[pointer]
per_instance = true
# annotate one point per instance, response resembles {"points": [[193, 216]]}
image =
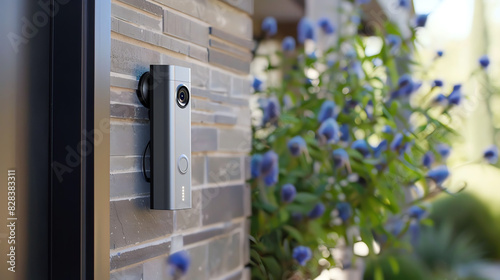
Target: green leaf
{"points": [[303, 197], [294, 233]]}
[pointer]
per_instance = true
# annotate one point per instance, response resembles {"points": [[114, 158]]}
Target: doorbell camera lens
{"points": [[182, 96]]}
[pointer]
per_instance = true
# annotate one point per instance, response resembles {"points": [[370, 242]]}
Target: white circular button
{"points": [[183, 163]]}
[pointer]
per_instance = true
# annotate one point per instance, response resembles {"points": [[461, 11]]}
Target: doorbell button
{"points": [[183, 163]]}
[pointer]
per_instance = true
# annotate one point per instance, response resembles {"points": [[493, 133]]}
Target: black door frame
{"points": [[79, 139]]}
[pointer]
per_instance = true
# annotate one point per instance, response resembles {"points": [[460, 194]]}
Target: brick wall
{"points": [[213, 38]]}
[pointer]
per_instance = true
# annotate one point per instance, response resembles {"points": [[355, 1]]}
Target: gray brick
{"points": [[219, 81], [202, 235], [228, 61], [122, 164], [198, 168], [176, 25], [235, 140], [190, 218], [224, 255], [247, 200], [222, 204], [244, 5], [130, 59], [199, 53], [128, 138], [238, 275], [145, 6], [132, 273], [127, 29], [139, 254], [132, 222], [246, 167], [245, 54], [132, 16], [205, 105], [244, 115], [184, 28], [240, 86], [124, 111], [246, 242], [199, 262], [174, 44], [219, 33], [148, 36], [223, 169], [225, 118], [124, 97], [247, 274], [211, 12], [202, 117], [123, 83], [128, 184], [156, 269], [203, 139]]}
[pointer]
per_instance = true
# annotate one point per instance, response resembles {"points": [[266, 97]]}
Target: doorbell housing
{"points": [[166, 91]]}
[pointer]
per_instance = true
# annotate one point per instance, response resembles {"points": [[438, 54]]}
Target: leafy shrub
{"points": [[347, 148]]}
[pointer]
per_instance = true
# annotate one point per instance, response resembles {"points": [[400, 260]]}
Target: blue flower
{"points": [[305, 30], [288, 44], [428, 159], [317, 211], [255, 165], [444, 150], [421, 20], [344, 133], [440, 53], [394, 42], [387, 129], [341, 159], [491, 154], [438, 174], [361, 2], [269, 160], [271, 110], [362, 147], [437, 83], [405, 3], [326, 25], [382, 147], [272, 177], [356, 69], [296, 145], [350, 104], [179, 263], [329, 130], [302, 254], [484, 61], [345, 211], [455, 96], [270, 26], [416, 212], [407, 86], [270, 168], [288, 193], [369, 109], [257, 84], [397, 142], [327, 111], [440, 99]]}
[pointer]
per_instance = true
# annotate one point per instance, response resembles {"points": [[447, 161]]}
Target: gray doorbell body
{"points": [[168, 94]]}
